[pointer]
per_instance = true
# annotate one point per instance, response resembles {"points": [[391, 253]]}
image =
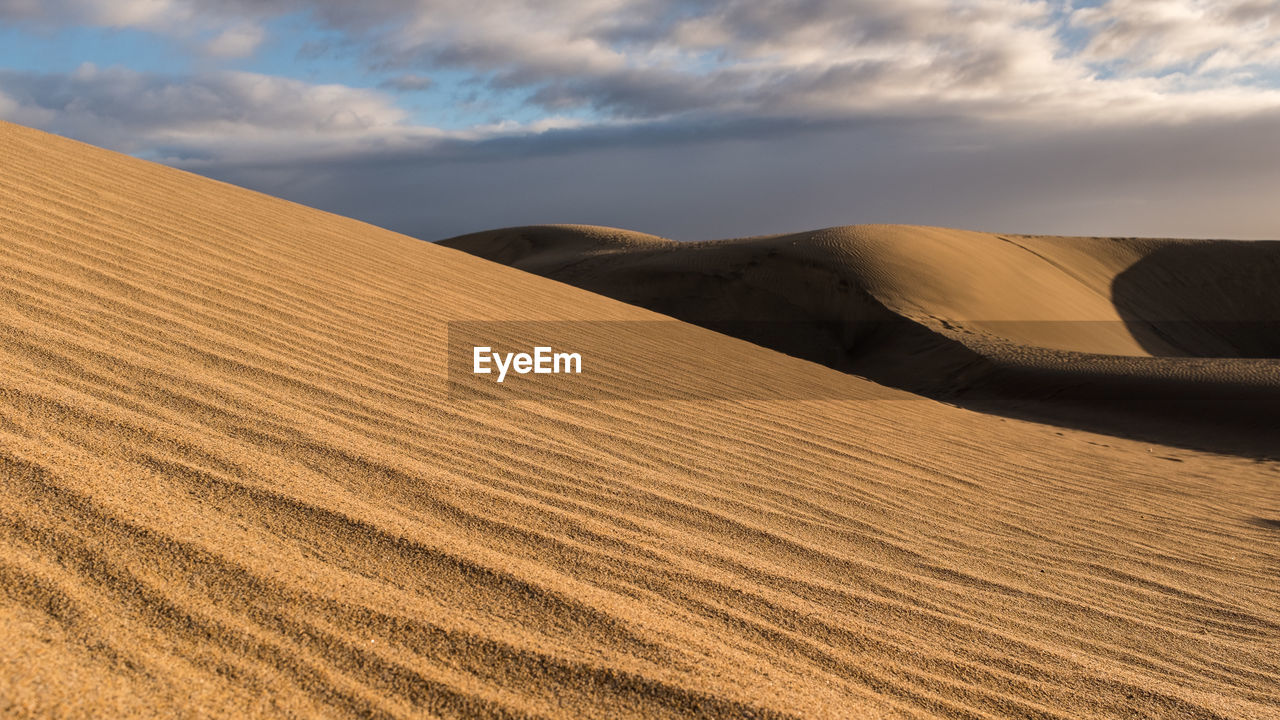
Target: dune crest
{"points": [[233, 484]]}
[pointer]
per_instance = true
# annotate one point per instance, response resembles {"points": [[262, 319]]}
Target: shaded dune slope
{"points": [[233, 484], [1168, 340]]}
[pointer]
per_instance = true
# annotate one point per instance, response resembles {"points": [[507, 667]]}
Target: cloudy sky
{"points": [[691, 119]]}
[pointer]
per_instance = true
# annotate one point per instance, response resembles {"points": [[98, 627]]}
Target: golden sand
{"points": [[233, 484]]}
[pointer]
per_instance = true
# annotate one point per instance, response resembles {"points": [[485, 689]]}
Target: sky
{"points": [[688, 119]]}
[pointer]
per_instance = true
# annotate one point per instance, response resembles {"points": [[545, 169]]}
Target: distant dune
{"points": [[234, 483], [1171, 340]]}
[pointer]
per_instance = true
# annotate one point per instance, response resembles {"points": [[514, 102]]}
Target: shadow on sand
{"points": [[1207, 311], [1204, 299]]}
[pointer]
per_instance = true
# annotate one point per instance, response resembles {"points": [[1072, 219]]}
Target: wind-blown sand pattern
{"points": [[233, 483]]}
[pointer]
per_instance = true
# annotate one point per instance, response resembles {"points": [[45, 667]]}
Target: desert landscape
{"points": [[1170, 340], [1028, 477]]}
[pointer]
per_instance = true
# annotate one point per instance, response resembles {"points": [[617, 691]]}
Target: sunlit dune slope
{"points": [[234, 483], [1175, 337]]}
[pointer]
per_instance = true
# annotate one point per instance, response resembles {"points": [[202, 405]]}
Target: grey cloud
{"points": [[659, 58], [716, 117], [19, 9], [641, 94], [136, 112], [1252, 11], [1203, 179], [754, 50], [407, 83]]}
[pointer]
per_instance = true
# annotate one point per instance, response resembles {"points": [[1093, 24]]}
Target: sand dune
{"points": [[1171, 340], [235, 483]]}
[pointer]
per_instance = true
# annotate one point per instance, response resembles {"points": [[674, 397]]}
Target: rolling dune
{"points": [[1166, 340], [235, 481]]}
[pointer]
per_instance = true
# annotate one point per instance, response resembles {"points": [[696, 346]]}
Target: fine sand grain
{"points": [[234, 483]]}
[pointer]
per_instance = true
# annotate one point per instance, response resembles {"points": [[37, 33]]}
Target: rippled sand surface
{"points": [[234, 483]]}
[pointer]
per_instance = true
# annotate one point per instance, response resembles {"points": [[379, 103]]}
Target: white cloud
{"points": [[1154, 36], [236, 41], [150, 14], [137, 13]]}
